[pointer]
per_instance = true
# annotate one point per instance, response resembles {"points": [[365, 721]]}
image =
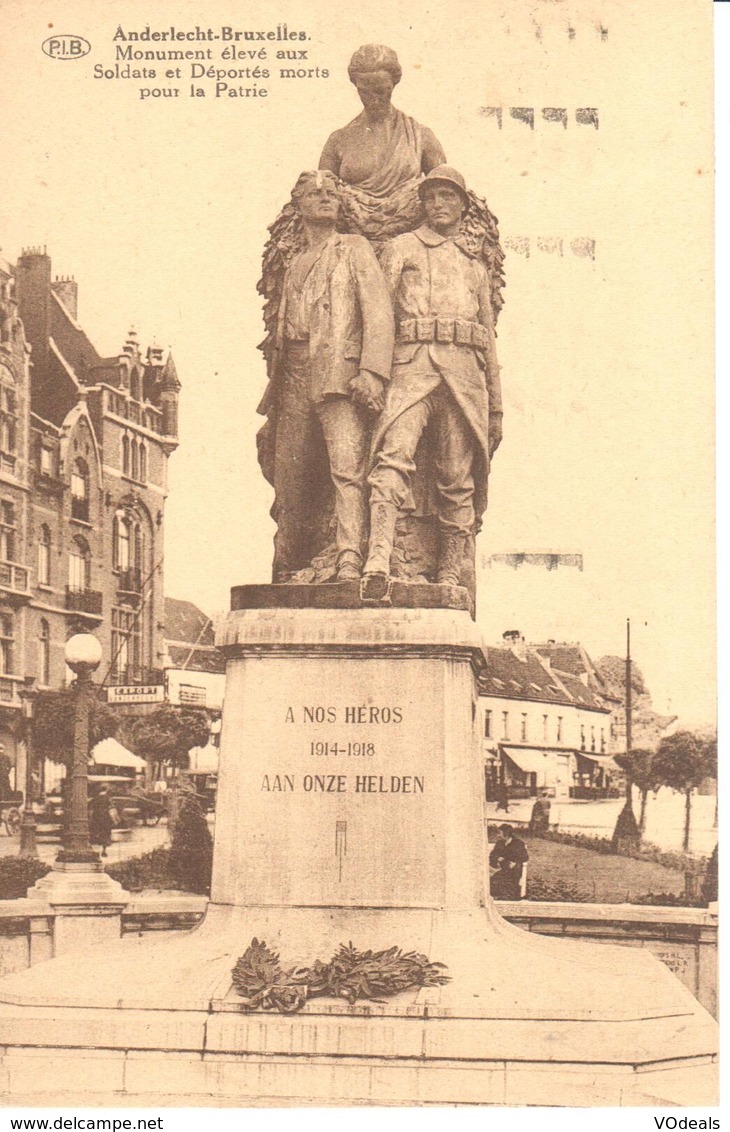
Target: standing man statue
{"points": [[332, 358], [445, 377]]}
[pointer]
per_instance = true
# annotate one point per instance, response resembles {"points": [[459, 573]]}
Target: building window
{"points": [[44, 556], [46, 461], [593, 738], [544, 729], [505, 725], [582, 737], [79, 566], [126, 645], [7, 644], [142, 462], [559, 730], [125, 455], [44, 654], [7, 531], [122, 541], [487, 724], [8, 420], [80, 490], [603, 741], [129, 544], [523, 728]]}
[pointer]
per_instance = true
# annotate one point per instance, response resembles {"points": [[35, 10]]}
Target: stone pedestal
{"points": [[359, 786], [88, 906], [350, 809]]}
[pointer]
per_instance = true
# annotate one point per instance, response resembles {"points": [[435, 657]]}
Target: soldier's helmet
{"points": [[446, 175]]}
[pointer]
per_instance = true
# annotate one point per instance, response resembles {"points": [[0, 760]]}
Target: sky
{"points": [[159, 208]]}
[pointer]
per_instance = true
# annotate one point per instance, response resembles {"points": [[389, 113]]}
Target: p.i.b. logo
{"points": [[66, 47]]}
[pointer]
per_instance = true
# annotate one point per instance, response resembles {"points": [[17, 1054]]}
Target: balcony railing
{"points": [[193, 695], [130, 580], [133, 674], [79, 508], [83, 601], [13, 577], [8, 689]]}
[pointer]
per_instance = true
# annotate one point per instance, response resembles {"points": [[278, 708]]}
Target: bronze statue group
{"points": [[382, 283]]}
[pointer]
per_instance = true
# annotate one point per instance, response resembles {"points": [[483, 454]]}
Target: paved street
{"points": [[143, 838], [664, 825]]}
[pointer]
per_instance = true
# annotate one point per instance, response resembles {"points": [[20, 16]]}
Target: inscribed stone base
{"points": [[350, 809]]}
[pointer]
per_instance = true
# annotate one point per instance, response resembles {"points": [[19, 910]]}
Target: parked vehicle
{"points": [[10, 813]]}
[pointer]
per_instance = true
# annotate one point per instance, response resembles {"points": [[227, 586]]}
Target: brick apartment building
{"points": [[84, 445]]}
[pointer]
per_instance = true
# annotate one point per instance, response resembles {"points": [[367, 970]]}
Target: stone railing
{"points": [[683, 938]]}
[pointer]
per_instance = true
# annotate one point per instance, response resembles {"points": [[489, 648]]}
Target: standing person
{"points": [[6, 765], [540, 816], [332, 358], [445, 377], [101, 821], [503, 797], [509, 857]]}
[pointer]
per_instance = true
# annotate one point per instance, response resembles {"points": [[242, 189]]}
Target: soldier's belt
{"points": [[457, 330]]}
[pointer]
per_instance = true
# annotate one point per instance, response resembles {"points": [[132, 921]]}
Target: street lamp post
{"points": [[28, 847], [83, 656], [87, 902]]}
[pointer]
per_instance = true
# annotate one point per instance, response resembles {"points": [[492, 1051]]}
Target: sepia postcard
{"points": [[358, 739]]}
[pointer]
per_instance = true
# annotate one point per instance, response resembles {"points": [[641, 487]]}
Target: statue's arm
{"points": [[391, 265], [432, 153], [486, 318], [332, 154], [378, 327]]}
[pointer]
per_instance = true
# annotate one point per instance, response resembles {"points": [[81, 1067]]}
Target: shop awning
{"points": [[109, 752], [528, 759], [604, 761], [204, 760]]}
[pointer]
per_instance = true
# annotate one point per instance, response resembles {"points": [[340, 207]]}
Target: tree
{"points": [[626, 835], [191, 851], [637, 765], [682, 762], [166, 736], [53, 724]]}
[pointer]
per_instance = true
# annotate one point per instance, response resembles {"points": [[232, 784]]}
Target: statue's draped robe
{"points": [[379, 201]]}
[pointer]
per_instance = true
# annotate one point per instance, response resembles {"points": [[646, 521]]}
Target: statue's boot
{"points": [[451, 559], [349, 566], [382, 533]]}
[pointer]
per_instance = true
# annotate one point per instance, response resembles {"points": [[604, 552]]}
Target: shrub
{"points": [[557, 890], [18, 874], [151, 870], [679, 862], [191, 852], [669, 900]]}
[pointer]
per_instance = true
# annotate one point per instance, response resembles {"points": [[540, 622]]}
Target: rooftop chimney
{"points": [[513, 639], [67, 289]]}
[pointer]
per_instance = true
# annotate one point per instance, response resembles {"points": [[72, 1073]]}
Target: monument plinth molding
{"points": [[350, 809]]}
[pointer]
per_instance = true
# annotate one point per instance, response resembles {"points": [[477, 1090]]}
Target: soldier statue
{"points": [[445, 377]]}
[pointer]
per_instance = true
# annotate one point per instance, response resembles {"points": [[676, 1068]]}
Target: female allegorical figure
{"points": [[382, 154]]}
